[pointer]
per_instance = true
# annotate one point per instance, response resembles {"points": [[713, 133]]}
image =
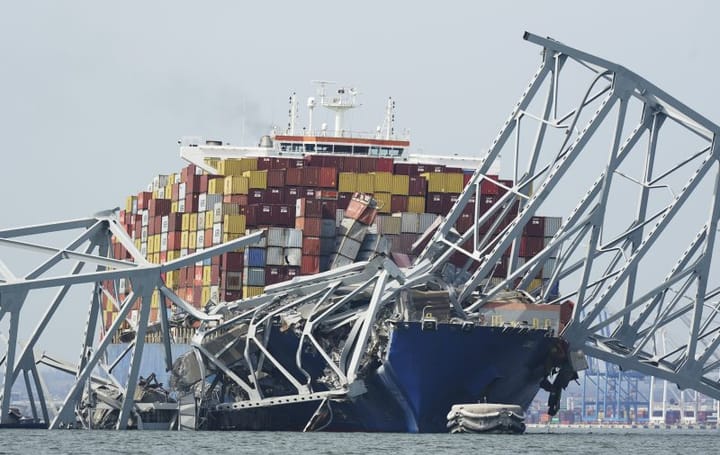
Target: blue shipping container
{"points": [[255, 257]]}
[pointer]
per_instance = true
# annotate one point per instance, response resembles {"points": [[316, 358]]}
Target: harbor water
{"points": [[535, 441]]}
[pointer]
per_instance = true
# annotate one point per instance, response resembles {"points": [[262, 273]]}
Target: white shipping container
{"points": [[215, 293], [144, 234], [183, 252], [409, 223], [293, 238], [143, 249], [202, 202], [293, 256], [276, 237], [145, 217], [181, 191], [159, 181], [213, 199], [200, 239], [275, 256], [201, 221], [161, 193], [217, 233], [181, 206], [122, 286], [200, 262], [134, 206], [339, 215], [164, 222], [163, 241]]}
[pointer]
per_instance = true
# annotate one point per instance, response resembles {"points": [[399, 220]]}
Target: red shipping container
{"points": [[507, 183], [310, 177], [368, 165], [344, 200], [291, 272], [351, 164], [453, 170], [403, 169], [274, 274], [326, 194], [151, 227], [259, 215], [239, 199], [192, 185], [307, 192], [327, 177], [173, 242], [486, 202], [310, 265], [294, 177], [143, 198], [230, 296], [175, 222], [163, 256], [282, 215], [315, 160], [488, 187], [123, 217], [332, 161], [434, 203], [311, 208], [187, 172], [191, 203], [208, 237], [232, 261], [197, 297], [311, 245], [264, 163], [175, 192], [310, 226], [276, 178], [275, 195], [384, 164], [417, 186], [198, 275], [449, 200], [157, 224], [328, 208], [256, 196], [530, 246], [535, 227], [467, 176], [398, 203]]}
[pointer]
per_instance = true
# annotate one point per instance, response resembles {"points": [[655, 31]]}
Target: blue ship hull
{"points": [[423, 374]]}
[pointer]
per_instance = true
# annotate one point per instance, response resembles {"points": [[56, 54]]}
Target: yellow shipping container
{"points": [[129, 202], [150, 244], [216, 186], [366, 183], [214, 162], [383, 182], [209, 219], [256, 179], [347, 182], [171, 278], [236, 166], [401, 185], [168, 191], [234, 224], [436, 182], [416, 204], [174, 206], [192, 223], [192, 240], [383, 202], [535, 284], [138, 243], [252, 291], [228, 237], [175, 254], [204, 295], [184, 239], [207, 275], [155, 300], [454, 182], [155, 258], [236, 185], [186, 222]]}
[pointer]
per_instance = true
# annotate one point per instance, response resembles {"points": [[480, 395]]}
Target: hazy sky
{"points": [[94, 95]]}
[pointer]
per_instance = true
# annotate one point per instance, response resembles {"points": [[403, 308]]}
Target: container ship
{"points": [[328, 200]]}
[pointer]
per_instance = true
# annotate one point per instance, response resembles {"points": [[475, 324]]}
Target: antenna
{"points": [[292, 114], [389, 123]]}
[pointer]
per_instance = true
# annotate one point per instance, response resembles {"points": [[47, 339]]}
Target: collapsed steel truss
{"points": [[633, 245], [637, 172]]}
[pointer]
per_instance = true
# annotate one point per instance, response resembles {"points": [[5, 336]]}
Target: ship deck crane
{"points": [[634, 170]]}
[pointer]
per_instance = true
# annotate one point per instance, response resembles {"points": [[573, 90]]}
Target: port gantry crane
{"points": [[633, 172]]}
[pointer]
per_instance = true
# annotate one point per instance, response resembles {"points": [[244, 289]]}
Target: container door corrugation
{"points": [[425, 220], [293, 238], [400, 185], [276, 236], [254, 276], [409, 222], [349, 248], [552, 225], [275, 256], [255, 257]]}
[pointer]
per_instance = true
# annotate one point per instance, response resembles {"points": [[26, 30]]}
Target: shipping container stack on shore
{"points": [[320, 211]]}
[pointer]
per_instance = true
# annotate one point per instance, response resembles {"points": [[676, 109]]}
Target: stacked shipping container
{"points": [[315, 213]]}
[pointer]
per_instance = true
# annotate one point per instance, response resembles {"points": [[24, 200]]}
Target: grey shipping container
{"points": [[548, 268], [254, 276], [409, 224], [327, 245], [293, 238], [425, 221], [552, 225], [275, 256], [339, 215], [293, 256], [388, 224], [339, 261], [349, 248], [276, 236], [327, 228], [352, 230]]}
